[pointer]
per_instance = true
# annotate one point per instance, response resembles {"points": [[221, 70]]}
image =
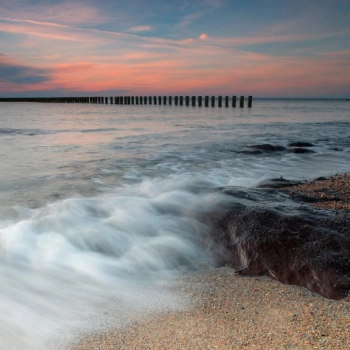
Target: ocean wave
{"points": [[59, 262]]}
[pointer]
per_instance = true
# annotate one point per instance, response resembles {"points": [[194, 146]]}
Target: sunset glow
{"points": [[262, 48]]}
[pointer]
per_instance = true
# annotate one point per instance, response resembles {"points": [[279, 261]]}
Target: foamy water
{"points": [[103, 205]]}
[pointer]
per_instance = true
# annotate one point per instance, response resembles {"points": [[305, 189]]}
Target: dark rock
{"points": [[278, 183], [301, 150], [332, 195], [303, 198], [251, 151], [300, 144], [265, 232], [266, 147], [321, 178]]}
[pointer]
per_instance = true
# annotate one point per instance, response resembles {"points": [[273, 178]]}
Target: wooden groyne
{"points": [[213, 101]]}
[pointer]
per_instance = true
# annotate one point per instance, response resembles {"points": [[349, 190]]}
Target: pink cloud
{"points": [[67, 13], [255, 75], [140, 29], [37, 29], [187, 41], [93, 60]]}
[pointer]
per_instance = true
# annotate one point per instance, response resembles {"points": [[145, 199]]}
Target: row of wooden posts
{"points": [[143, 100]]}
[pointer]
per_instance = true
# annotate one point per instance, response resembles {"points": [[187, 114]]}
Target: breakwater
{"points": [[206, 101]]}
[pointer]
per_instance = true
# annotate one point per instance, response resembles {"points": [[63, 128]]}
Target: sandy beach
{"points": [[234, 312]]}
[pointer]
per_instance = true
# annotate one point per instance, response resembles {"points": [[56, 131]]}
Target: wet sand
{"points": [[235, 312]]}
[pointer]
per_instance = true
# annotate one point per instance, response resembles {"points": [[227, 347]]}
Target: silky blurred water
{"points": [[100, 204]]}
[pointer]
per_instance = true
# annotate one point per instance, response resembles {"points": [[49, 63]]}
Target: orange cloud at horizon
{"points": [[253, 74]]}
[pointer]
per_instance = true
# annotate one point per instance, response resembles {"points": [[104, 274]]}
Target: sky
{"points": [[264, 48]]}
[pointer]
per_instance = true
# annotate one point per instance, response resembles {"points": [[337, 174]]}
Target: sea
{"points": [[101, 206]]}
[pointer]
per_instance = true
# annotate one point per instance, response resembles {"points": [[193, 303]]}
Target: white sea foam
{"points": [[61, 263]]}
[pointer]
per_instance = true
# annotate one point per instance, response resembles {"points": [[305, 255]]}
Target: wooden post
{"points": [[136, 100], [159, 100], [241, 101], [206, 101], [234, 101], [145, 100], [181, 100], [164, 100], [220, 101], [154, 100], [141, 100], [226, 101], [213, 101], [132, 100], [187, 100], [250, 101], [176, 100], [193, 100], [170, 100], [199, 101], [150, 99]]}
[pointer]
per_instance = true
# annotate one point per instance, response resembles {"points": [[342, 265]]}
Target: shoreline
{"points": [[236, 312]]}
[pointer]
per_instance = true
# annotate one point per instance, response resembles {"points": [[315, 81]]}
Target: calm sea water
{"points": [[99, 204]]}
